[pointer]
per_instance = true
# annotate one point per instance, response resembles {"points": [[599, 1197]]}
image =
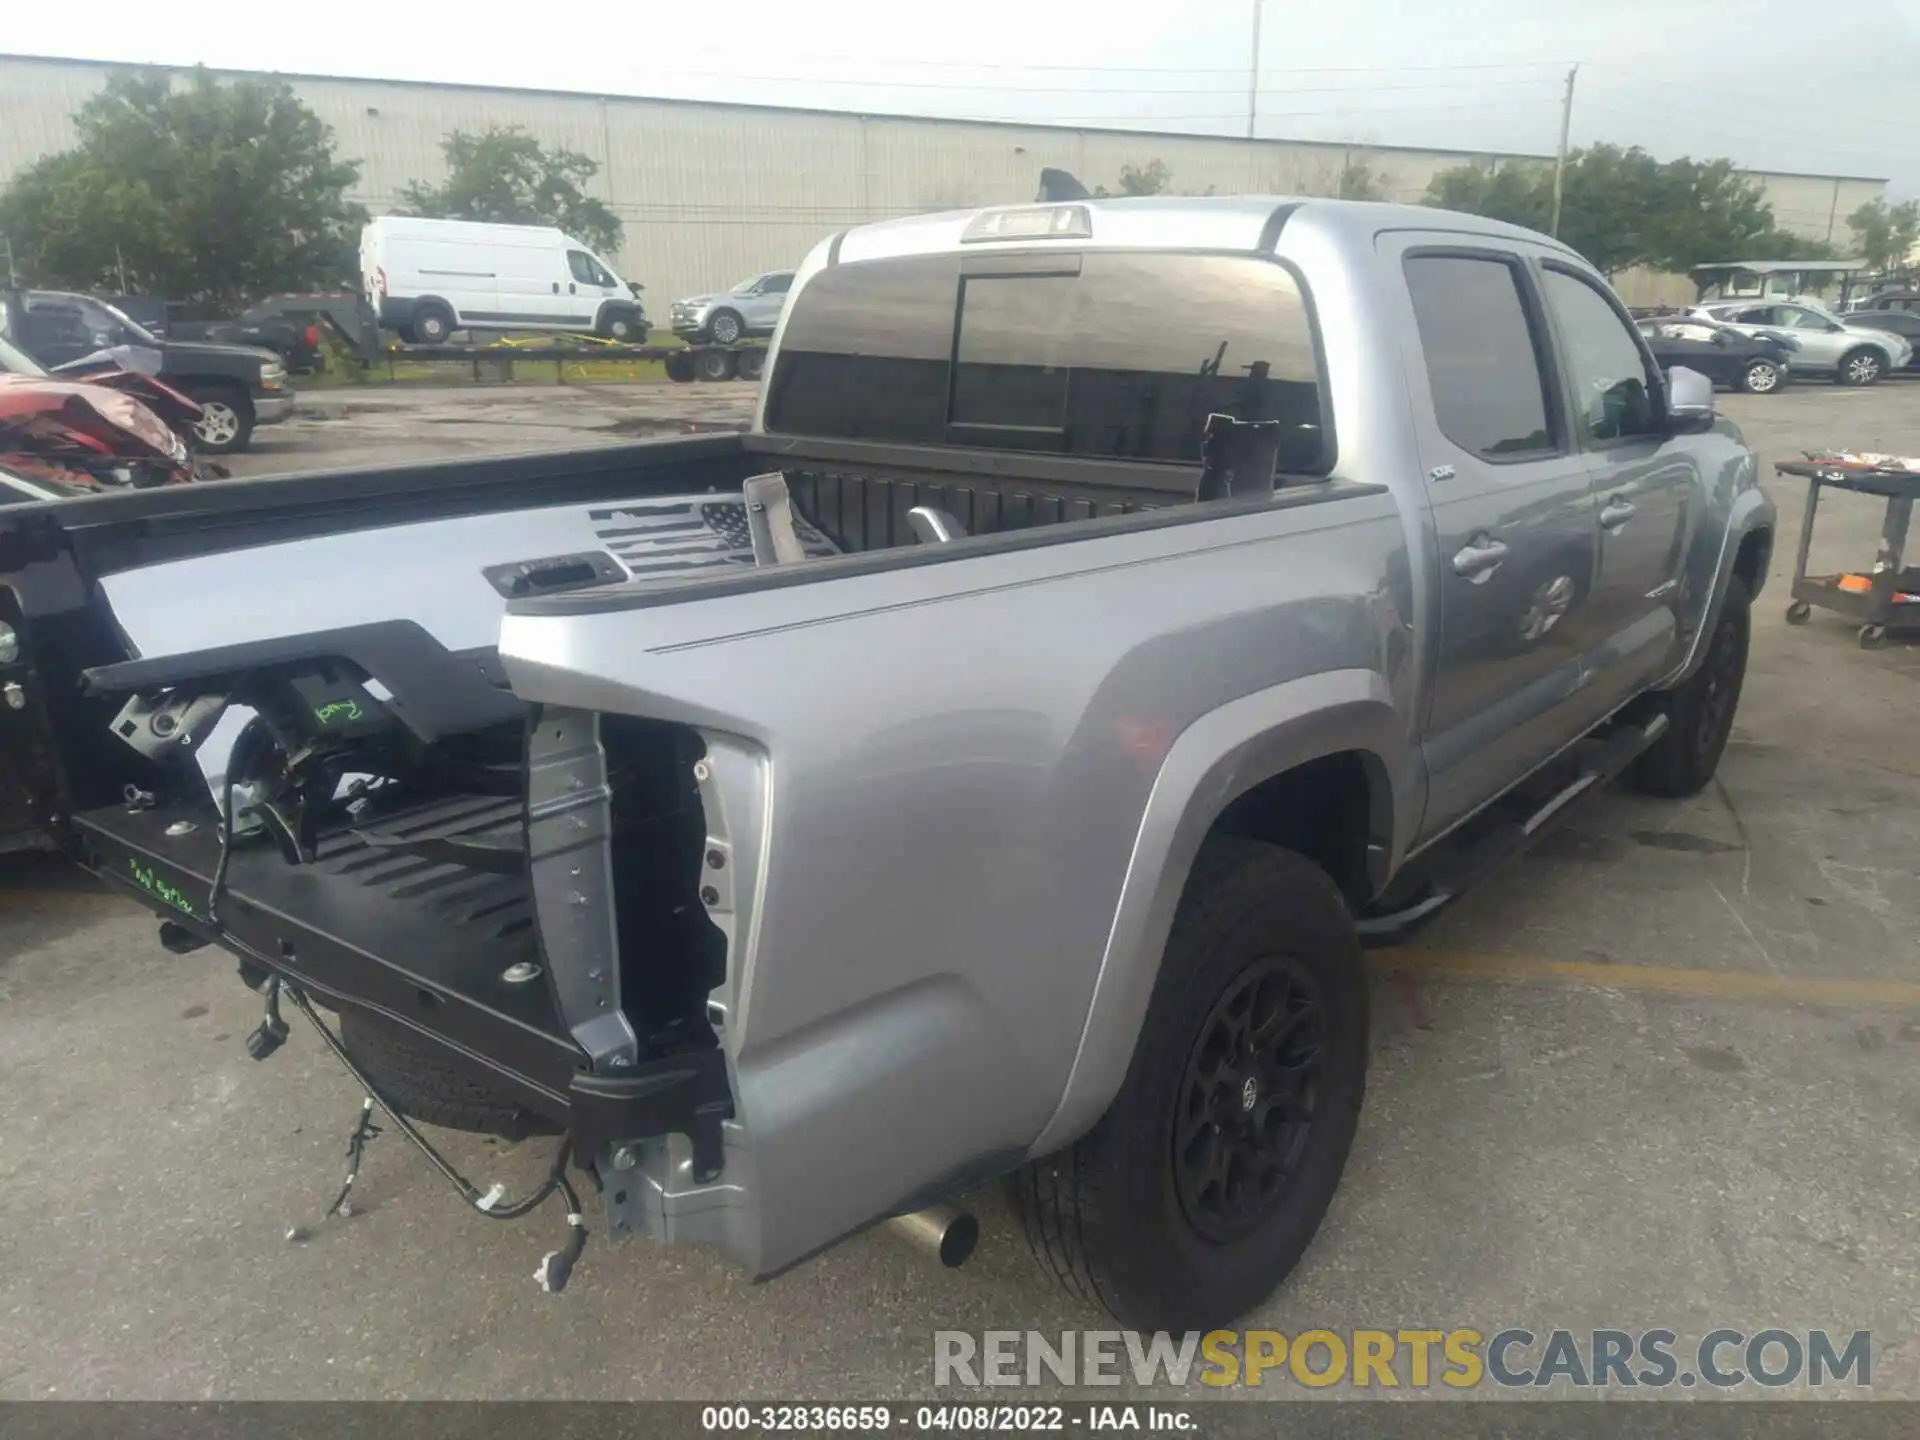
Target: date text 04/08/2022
{"points": [[975, 1419]]}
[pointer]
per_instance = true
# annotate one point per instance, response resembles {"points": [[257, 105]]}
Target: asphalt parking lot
{"points": [[1663, 1072], [389, 425]]}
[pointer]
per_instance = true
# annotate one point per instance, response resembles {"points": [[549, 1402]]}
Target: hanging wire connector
{"points": [[271, 1033], [557, 1266], [364, 1130]]}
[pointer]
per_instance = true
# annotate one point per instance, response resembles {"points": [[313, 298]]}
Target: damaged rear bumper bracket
{"points": [[569, 835]]}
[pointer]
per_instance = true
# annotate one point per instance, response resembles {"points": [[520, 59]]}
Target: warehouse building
{"points": [[710, 192]]}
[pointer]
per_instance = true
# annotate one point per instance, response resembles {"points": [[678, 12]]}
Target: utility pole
{"points": [[1253, 72], [1560, 161]]}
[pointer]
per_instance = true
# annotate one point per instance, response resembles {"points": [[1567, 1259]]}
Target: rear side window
{"points": [[1103, 355], [1483, 366]]}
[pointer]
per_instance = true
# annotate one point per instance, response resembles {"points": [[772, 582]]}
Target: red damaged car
{"points": [[112, 428]]}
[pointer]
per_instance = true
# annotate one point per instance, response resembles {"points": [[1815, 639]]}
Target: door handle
{"points": [[572, 289], [556, 287], [1616, 512], [1479, 558]]}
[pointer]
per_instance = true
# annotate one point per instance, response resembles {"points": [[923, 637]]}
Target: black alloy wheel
{"points": [[1246, 1102]]}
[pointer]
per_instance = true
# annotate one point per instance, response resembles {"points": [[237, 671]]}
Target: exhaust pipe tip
{"points": [[943, 1231]]}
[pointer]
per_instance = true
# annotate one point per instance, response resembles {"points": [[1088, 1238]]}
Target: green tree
{"points": [[1358, 181], [1623, 207], [1153, 178], [1520, 194], [209, 192], [1886, 234], [1700, 211], [504, 175]]}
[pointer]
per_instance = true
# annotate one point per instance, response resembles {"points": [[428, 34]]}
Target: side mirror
{"points": [[1721, 338], [1689, 401]]}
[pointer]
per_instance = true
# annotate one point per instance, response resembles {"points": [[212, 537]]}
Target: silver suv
{"points": [[750, 308], [1853, 354]]}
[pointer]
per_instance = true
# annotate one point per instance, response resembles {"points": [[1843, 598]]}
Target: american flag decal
{"points": [[683, 535]]}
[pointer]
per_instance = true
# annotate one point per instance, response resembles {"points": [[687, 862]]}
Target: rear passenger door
{"points": [[1513, 517], [768, 300], [1647, 484]]}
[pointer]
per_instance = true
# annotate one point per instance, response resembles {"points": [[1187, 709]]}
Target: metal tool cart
{"points": [[1887, 597]]}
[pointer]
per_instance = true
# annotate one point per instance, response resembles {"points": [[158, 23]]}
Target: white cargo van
{"points": [[429, 278]]}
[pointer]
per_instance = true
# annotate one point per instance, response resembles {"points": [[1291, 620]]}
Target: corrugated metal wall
{"points": [[712, 193]]}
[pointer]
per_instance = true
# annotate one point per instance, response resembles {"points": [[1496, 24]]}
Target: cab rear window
{"points": [[1118, 356]]}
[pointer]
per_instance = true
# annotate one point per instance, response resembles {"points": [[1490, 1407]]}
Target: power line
{"points": [[1746, 99], [1193, 69], [1770, 140], [829, 82], [1142, 120]]}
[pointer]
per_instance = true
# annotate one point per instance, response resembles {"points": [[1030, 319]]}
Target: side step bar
{"points": [[1487, 842]]}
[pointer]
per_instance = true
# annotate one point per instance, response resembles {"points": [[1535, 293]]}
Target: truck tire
{"points": [[714, 364], [429, 1086], [623, 327], [1700, 712], [225, 426], [1192, 1198]]}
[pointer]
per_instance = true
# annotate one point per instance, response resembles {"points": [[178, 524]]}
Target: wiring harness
{"points": [[556, 1267]]}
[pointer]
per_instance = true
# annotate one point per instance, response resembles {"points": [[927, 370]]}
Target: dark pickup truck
{"points": [[238, 387]]}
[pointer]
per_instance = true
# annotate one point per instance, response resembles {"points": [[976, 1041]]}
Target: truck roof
{"points": [[1173, 222]]}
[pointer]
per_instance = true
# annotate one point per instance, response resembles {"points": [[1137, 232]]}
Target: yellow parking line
{"points": [[1672, 980]]}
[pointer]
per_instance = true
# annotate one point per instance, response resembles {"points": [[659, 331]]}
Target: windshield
{"points": [[745, 285], [136, 331]]}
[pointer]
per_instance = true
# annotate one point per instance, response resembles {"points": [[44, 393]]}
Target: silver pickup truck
{"points": [[991, 766]]}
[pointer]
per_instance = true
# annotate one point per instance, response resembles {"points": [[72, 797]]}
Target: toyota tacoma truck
{"points": [[992, 765]]}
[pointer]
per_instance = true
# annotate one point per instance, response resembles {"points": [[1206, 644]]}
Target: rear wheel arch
{"points": [[1336, 810], [1750, 561], [1263, 784]]}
